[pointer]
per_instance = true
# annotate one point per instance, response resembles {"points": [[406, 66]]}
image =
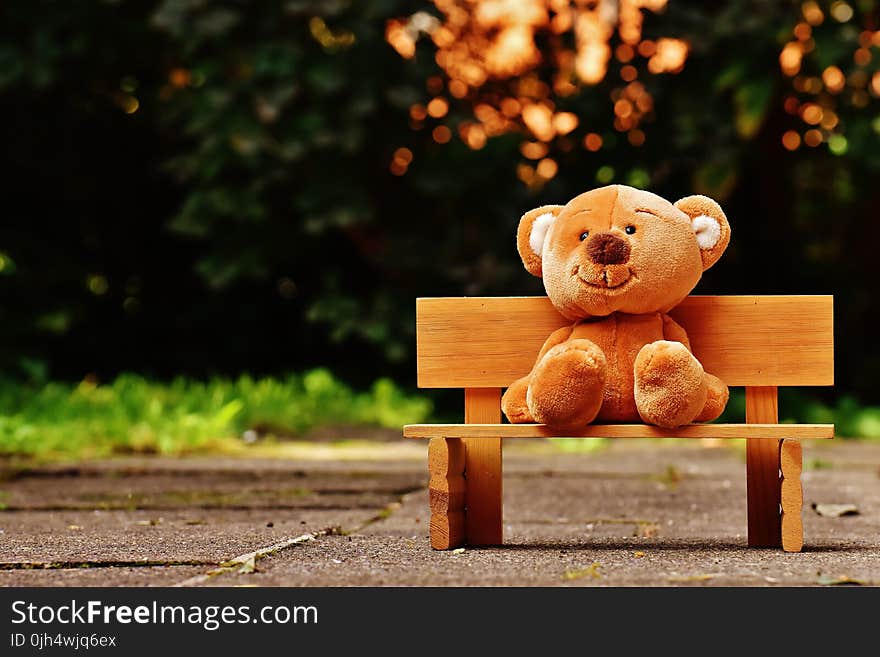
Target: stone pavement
{"points": [[635, 513]]}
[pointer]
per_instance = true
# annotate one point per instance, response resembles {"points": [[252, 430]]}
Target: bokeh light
{"points": [[813, 137], [831, 79], [401, 160], [488, 52], [441, 134], [791, 140], [592, 142]]}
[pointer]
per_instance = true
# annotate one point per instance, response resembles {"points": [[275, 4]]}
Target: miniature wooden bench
{"points": [[484, 344]]}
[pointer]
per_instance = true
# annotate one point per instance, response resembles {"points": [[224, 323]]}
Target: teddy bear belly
{"points": [[621, 337]]}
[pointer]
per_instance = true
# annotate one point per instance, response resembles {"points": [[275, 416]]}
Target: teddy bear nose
{"points": [[607, 249]]}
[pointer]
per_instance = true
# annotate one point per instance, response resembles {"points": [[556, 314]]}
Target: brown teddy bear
{"points": [[614, 261]]}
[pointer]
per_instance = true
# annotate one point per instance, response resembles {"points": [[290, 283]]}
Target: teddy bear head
{"points": [[620, 249]]}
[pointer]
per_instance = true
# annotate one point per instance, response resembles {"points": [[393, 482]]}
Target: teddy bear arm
{"points": [[674, 332], [716, 399], [558, 336]]}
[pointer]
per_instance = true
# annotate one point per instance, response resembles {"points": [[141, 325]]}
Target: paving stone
{"points": [[634, 514]]}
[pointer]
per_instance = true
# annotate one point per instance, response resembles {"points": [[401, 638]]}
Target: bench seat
{"points": [[779, 431]]}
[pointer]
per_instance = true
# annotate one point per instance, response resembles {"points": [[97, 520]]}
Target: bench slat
{"points": [[791, 431], [487, 342]]}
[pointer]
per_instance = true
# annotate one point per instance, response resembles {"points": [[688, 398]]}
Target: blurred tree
{"points": [[225, 186]]}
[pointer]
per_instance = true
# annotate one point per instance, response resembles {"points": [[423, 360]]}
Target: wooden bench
{"points": [[484, 344]]}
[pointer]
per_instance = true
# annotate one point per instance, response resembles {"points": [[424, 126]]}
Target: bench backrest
{"points": [[488, 342]]}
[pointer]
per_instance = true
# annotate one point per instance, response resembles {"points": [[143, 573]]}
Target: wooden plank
{"points": [[483, 501], [753, 431], [792, 495], [446, 492], [474, 342], [762, 470]]}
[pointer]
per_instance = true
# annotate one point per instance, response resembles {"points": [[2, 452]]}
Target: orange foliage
{"points": [[478, 42]]}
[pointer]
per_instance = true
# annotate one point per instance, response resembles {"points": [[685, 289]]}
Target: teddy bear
{"points": [[614, 261]]}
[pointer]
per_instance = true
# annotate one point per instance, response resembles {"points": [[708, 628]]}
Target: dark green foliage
{"points": [[243, 216]]}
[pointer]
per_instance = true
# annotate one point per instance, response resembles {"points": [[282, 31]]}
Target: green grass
{"points": [[134, 415], [851, 419]]}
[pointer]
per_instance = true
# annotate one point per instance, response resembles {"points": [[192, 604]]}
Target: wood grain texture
{"points": [[762, 470], [792, 495], [483, 469], [753, 431], [446, 492], [477, 342]]}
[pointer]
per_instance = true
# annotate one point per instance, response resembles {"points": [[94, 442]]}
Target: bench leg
{"points": [[446, 460], [791, 464], [762, 470], [483, 469]]}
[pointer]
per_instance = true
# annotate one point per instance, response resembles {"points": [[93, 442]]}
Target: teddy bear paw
{"points": [[567, 385], [670, 385]]}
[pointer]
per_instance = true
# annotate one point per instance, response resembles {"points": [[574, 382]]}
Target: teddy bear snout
{"points": [[607, 249]]}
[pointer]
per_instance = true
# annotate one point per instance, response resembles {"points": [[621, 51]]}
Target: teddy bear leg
{"points": [[567, 386], [513, 403], [670, 386], [716, 399]]}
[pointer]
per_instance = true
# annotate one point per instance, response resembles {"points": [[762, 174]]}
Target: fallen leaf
{"points": [[839, 580], [458, 551], [249, 566], [836, 510], [639, 554], [580, 573]]}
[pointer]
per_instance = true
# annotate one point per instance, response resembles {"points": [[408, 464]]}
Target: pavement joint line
{"points": [[62, 565], [241, 560], [589, 521], [199, 507], [11, 473]]}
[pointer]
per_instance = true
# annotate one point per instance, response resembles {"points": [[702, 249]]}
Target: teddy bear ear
{"points": [[709, 224], [532, 233]]}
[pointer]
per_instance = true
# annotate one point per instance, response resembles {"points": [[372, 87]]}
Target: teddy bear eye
{"points": [[585, 235], [630, 230]]}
